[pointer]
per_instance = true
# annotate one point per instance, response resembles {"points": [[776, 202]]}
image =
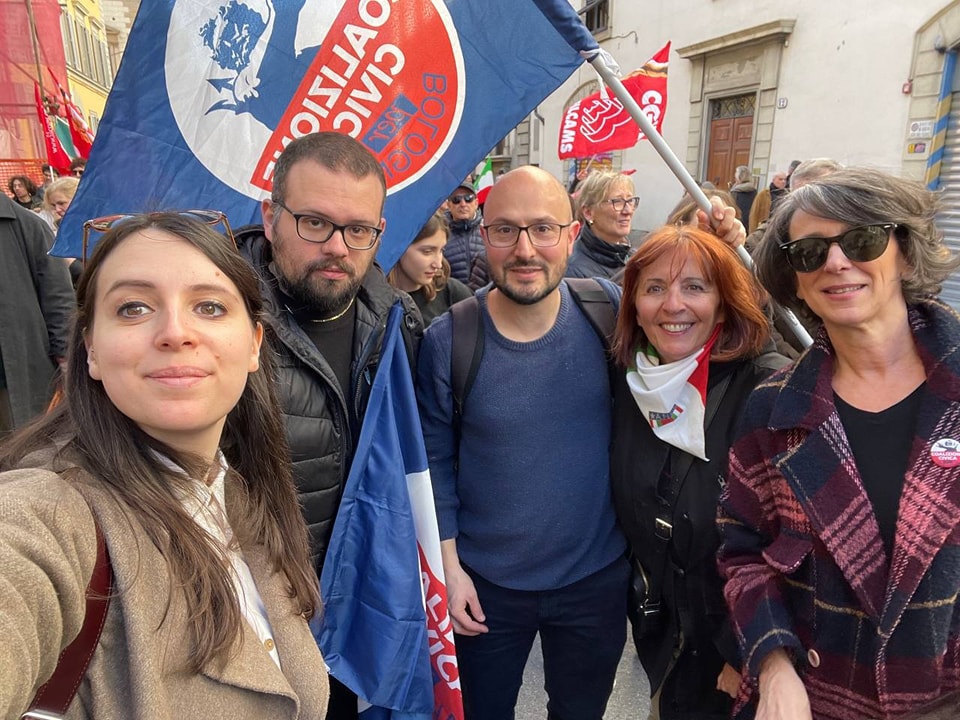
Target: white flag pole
{"points": [[605, 66]]}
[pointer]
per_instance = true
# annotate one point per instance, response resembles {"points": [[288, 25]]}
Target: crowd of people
{"points": [[613, 432]]}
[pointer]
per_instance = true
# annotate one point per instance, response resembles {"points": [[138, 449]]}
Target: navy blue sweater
{"points": [[530, 506]]}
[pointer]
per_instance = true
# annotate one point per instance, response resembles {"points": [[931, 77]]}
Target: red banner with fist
{"points": [[599, 123]]}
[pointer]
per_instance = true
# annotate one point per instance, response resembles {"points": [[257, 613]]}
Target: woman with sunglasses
{"points": [[606, 202], [168, 444], [840, 521]]}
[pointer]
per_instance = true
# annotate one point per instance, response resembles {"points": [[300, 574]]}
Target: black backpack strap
{"points": [[594, 302], [466, 351]]}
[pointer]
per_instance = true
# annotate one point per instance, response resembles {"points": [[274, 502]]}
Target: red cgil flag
{"points": [[56, 155], [599, 123], [80, 132]]}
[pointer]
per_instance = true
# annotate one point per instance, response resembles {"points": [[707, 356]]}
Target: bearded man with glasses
{"points": [[327, 303], [464, 250]]}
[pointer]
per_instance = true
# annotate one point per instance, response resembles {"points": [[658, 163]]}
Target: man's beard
{"points": [[551, 284], [311, 292]]}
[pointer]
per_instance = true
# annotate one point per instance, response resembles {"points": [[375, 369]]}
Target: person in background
{"points": [[424, 273], [78, 166], [685, 211], [168, 441], [50, 174], [36, 307], [24, 192], [793, 166], [691, 321], [464, 250], [606, 202], [840, 519], [766, 202], [810, 170], [56, 200], [743, 191]]}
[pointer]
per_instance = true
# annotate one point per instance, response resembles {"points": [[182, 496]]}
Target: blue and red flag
{"points": [[210, 91], [385, 632]]}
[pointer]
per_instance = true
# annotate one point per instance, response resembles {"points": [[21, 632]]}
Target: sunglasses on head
{"points": [[102, 224], [457, 199], [860, 244]]}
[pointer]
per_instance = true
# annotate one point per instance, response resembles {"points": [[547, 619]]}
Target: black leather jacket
{"points": [[322, 419]]}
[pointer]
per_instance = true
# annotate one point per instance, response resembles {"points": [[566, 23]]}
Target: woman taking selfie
{"points": [[168, 444], [692, 341], [840, 520]]}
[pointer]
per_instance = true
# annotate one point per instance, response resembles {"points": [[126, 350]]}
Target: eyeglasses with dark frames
{"points": [[318, 229], [860, 244], [619, 203], [466, 198], [102, 224], [544, 234]]}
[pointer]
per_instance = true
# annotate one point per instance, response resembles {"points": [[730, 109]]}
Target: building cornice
{"points": [[776, 30]]}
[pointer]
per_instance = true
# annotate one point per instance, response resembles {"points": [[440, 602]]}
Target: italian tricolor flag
{"points": [[484, 181]]}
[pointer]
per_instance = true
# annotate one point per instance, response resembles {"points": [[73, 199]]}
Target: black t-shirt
{"points": [[881, 443], [333, 338]]}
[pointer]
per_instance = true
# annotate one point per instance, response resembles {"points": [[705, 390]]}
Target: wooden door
{"points": [[731, 135]]}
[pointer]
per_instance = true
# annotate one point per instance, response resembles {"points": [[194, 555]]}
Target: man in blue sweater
{"points": [[529, 539]]}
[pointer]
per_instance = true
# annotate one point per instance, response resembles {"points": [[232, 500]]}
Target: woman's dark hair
{"points": [[746, 328], [855, 197], [436, 223], [264, 508]]}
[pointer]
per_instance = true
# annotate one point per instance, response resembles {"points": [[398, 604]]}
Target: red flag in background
{"points": [[80, 132], [56, 155], [599, 123]]}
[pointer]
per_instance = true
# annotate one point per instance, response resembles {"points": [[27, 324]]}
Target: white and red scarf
{"points": [[673, 396]]}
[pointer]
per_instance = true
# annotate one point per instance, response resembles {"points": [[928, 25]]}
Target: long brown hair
{"points": [[114, 450], [436, 223], [745, 328]]}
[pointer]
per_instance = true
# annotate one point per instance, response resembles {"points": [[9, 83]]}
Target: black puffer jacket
{"points": [[593, 257], [464, 247], [322, 419]]}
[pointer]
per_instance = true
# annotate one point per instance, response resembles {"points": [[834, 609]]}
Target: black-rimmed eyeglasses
{"points": [[318, 229], [620, 203], [543, 234], [102, 224]]}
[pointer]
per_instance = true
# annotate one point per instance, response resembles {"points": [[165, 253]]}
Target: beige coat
{"points": [[47, 553]]}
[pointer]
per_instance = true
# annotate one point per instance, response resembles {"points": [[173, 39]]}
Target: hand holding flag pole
{"points": [[607, 68]]}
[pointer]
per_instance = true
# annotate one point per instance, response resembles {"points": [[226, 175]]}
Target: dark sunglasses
{"points": [[457, 199], [102, 224], [861, 244]]}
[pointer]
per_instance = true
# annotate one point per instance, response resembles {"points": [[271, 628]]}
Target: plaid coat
{"points": [[806, 569]]}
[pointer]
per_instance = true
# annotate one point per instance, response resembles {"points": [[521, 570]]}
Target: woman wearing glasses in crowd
{"points": [[168, 442], [424, 273], [692, 341], [606, 202], [840, 521]]}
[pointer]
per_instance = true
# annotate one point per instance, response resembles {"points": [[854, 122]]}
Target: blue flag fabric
{"points": [[373, 630], [210, 91]]}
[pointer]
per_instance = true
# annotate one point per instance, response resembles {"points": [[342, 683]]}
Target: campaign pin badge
{"points": [[946, 453]]}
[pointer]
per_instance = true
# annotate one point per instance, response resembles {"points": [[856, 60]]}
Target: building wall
{"points": [[840, 69], [90, 69]]}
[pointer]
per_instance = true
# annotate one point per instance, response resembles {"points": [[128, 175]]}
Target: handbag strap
{"points": [[54, 697]]}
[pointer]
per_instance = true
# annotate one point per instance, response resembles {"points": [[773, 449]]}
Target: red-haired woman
{"points": [[692, 341]]}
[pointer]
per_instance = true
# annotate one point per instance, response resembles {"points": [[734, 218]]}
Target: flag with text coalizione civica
{"points": [[599, 123], [484, 181], [210, 91], [385, 631]]}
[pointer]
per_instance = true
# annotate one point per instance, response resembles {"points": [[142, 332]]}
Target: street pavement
{"points": [[630, 699]]}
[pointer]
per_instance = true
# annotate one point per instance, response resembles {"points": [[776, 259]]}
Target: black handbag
{"points": [[643, 606]]}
